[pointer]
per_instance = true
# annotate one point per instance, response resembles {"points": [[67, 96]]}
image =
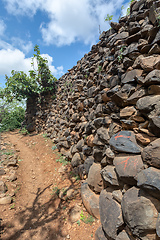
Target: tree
{"points": [[21, 86]]}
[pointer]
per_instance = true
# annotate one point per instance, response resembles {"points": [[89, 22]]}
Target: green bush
{"points": [[11, 120]]}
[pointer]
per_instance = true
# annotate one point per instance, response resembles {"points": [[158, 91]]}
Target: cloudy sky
{"points": [[64, 30]]}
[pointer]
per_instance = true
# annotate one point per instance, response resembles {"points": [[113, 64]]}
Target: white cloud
{"points": [[69, 21], [14, 59], [2, 27], [25, 46]]}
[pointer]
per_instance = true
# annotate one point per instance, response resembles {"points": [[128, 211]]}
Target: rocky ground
{"points": [[39, 194]]}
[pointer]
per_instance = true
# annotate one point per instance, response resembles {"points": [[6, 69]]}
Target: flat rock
{"points": [[131, 76], [127, 168], [127, 112], [110, 214], [140, 211], [150, 179], [151, 154], [5, 200], [90, 200], [124, 141]]}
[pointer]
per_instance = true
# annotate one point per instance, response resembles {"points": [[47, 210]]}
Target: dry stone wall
{"points": [[106, 121]]}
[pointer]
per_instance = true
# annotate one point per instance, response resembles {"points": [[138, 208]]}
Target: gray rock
{"points": [[131, 76], [3, 187], [124, 141], [151, 154], [103, 135], [110, 214], [127, 168], [123, 236], [100, 234], [109, 176], [76, 160], [94, 178], [140, 211], [150, 179], [152, 78], [88, 163]]}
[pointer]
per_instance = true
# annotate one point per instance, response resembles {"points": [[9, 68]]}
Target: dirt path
{"points": [[37, 212]]}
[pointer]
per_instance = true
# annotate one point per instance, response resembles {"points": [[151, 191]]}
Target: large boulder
{"points": [[124, 141], [110, 214], [140, 212], [94, 178], [127, 168]]}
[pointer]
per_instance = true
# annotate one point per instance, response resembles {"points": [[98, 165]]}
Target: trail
{"points": [[37, 212]]}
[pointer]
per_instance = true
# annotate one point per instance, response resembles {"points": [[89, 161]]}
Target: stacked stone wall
{"points": [[106, 121]]}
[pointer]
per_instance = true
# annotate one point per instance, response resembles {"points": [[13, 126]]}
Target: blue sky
{"points": [[64, 30]]}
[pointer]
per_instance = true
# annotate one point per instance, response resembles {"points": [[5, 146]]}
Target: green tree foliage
{"points": [[11, 115], [21, 86]]}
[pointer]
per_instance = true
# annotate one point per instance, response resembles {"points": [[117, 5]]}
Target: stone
{"points": [[74, 214], [90, 140], [94, 178], [114, 128], [5, 200], [127, 112], [149, 104], [149, 63], [117, 195], [124, 141], [143, 140], [154, 125], [151, 154], [103, 135], [2, 171], [80, 144], [131, 76], [110, 214], [87, 164], [154, 89], [158, 226], [100, 234], [150, 179], [87, 150], [123, 236], [3, 187], [98, 154], [76, 160], [157, 38], [152, 78], [109, 176], [127, 168], [136, 95], [140, 211], [90, 200]]}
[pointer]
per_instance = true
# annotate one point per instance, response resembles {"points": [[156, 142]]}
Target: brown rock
{"points": [[127, 112], [151, 153], [149, 63], [90, 140], [144, 141], [90, 200], [94, 177], [5, 200]]}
